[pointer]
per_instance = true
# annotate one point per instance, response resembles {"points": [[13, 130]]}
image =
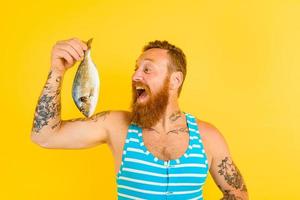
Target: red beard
{"points": [[147, 114]]}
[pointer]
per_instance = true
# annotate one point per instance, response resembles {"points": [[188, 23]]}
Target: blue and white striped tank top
{"points": [[144, 176]]}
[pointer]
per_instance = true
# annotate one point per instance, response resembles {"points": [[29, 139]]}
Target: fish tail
{"points": [[89, 42]]}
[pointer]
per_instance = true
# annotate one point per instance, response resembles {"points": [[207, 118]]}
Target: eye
{"points": [[146, 69]]}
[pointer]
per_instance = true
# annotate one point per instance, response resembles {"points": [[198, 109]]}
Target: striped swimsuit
{"points": [[144, 176]]}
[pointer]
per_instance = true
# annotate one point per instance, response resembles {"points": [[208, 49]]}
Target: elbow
{"points": [[246, 196], [40, 140], [244, 192], [243, 195]]}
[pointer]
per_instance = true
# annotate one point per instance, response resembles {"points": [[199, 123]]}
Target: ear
{"points": [[176, 80]]}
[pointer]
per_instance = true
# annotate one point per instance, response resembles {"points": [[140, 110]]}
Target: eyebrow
{"points": [[149, 59]]}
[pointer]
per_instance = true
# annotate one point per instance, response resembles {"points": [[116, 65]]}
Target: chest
{"points": [[166, 146]]}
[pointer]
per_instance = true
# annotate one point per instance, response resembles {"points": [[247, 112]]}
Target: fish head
{"points": [[84, 104], [87, 104], [85, 98]]}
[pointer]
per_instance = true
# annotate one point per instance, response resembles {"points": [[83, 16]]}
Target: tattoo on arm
{"points": [[233, 177], [231, 174], [94, 117], [49, 106], [229, 196]]}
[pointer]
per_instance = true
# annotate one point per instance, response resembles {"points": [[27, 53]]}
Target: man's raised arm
{"points": [[48, 130]]}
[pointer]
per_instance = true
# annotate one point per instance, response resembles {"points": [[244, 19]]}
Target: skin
{"points": [[167, 139]]}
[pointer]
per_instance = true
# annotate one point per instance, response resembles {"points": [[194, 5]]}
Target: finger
{"points": [[70, 50], [76, 46], [65, 55], [82, 44]]}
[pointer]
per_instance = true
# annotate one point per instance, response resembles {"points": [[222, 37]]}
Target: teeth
{"points": [[139, 88]]}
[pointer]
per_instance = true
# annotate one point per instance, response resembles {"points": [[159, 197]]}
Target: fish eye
{"points": [[83, 99]]}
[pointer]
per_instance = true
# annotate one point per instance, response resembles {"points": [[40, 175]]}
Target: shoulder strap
{"points": [[192, 124], [132, 129]]}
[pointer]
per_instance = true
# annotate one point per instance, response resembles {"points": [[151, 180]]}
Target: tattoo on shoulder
{"points": [[232, 175]]}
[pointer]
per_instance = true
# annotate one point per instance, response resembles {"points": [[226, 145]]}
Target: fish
{"points": [[86, 84]]}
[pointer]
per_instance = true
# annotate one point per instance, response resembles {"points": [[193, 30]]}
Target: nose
{"points": [[137, 76]]}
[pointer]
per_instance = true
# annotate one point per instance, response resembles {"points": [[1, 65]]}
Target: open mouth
{"points": [[141, 92]]}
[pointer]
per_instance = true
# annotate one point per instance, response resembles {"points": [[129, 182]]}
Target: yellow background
{"points": [[243, 77]]}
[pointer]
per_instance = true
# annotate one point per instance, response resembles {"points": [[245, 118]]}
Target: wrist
{"points": [[57, 71]]}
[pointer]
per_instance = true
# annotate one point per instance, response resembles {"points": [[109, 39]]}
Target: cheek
{"points": [[154, 88], [154, 81]]}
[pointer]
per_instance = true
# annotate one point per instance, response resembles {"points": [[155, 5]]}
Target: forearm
{"points": [[235, 195], [47, 116]]}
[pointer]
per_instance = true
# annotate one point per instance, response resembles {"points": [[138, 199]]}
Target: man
{"points": [[160, 152]]}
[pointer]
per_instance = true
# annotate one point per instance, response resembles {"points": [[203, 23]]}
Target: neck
{"points": [[173, 116]]}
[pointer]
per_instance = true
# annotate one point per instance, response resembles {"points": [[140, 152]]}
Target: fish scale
{"points": [[86, 84]]}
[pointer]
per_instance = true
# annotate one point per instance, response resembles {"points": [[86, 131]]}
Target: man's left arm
{"points": [[223, 170]]}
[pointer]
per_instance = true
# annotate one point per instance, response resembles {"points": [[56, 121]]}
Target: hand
{"points": [[65, 53]]}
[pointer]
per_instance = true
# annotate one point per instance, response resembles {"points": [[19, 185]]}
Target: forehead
{"points": [[155, 55]]}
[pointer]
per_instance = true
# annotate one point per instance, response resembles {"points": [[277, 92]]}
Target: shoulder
{"points": [[209, 131], [117, 123], [119, 115], [212, 137], [117, 118]]}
